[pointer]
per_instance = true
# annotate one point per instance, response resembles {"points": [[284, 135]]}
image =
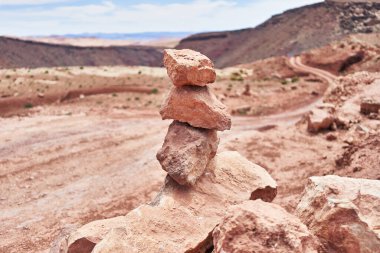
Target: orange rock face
{"points": [[188, 67], [181, 218], [187, 151], [257, 226], [343, 212], [196, 106]]}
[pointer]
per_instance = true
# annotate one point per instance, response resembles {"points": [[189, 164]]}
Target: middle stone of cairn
{"points": [[191, 141]]}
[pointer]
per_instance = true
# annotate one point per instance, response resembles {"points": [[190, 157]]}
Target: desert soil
{"points": [[65, 163]]}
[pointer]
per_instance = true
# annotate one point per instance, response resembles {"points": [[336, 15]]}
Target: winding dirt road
{"points": [[59, 171], [296, 63]]}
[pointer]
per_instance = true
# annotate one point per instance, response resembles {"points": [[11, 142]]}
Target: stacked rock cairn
{"points": [[192, 140]]}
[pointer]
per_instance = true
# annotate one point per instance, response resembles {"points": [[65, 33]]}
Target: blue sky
{"points": [[46, 17]]}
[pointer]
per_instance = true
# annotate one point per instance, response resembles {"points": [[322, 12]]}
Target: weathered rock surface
{"points": [[188, 67], [114, 242], [181, 218], [319, 120], [85, 238], [187, 151], [196, 106], [368, 106], [257, 226], [343, 212]]}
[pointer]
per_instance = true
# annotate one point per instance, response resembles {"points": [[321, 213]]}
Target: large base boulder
{"points": [[187, 151], [261, 227], [181, 218], [343, 212], [188, 67], [196, 106]]}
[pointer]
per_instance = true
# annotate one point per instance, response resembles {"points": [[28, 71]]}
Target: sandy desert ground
{"points": [[78, 144]]}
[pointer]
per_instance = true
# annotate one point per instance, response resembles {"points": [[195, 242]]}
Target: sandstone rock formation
{"points": [[181, 218], [85, 238], [318, 120], [190, 145], [343, 212], [187, 151], [257, 226], [188, 67], [114, 242], [196, 106], [369, 106], [198, 189]]}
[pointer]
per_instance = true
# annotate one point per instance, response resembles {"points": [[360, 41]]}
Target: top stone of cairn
{"points": [[188, 67]]}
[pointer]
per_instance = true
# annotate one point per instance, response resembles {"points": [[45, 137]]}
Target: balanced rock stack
{"points": [[191, 141]]}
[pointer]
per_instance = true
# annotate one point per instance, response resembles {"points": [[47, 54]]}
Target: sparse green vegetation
{"points": [[284, 82], [295, 79], [243, 111], [154, 91], [235, 76], [28, 105]]}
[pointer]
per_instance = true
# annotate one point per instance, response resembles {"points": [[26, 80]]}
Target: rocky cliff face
{"points": [[288, 33]]}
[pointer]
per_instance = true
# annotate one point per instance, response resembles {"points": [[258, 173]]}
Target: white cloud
{"points": [[108, 17], [30, 2]]}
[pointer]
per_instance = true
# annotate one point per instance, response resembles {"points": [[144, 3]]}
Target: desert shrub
{"points": [[284, 82], [140, 72], [46, 72], [81, 67], [154, 91], [28, 105], [295, 79], [114, 94], [235, 76], [7, 76], [137, 98]]}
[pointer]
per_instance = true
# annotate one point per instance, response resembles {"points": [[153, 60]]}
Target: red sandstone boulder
{"points": [[196, 106], [188, 67], [261, 227], [114, 242], [343, 212], [319, 120], [85, 238], [187, 151], [181, 218]]}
